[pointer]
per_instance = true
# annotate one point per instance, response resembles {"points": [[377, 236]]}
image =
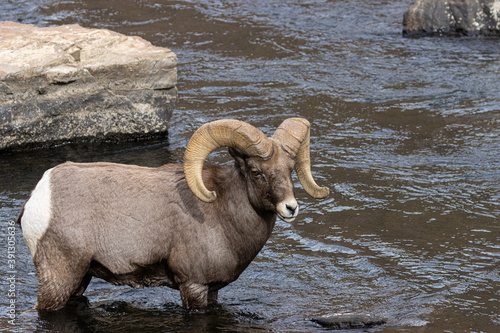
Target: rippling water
{"points": [[405, 132]]}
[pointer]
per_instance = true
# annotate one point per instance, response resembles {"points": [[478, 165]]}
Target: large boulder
{"points": [[452, 17], [69, 83]]}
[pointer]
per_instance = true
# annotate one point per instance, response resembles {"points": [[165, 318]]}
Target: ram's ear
{"points": [[238, 156]]}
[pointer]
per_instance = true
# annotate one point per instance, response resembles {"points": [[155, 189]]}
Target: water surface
{"points": [[405, 133]]}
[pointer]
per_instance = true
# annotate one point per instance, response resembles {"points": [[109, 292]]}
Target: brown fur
{"points": [[144, 227]]}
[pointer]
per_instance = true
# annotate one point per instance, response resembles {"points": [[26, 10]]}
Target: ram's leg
{"points": [[83, 285], [212, 297], [194, 295], [59, 277]]}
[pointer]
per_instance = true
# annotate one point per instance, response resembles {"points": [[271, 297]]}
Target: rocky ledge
{"points": [[69, 83], [452, 18]]}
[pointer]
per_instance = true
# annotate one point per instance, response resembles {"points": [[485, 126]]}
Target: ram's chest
{"points": [[205, 256], [229, 259]]}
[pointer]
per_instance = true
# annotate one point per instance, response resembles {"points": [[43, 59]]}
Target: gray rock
{"points": [[452, 17], [348, 321], [69, 83]]}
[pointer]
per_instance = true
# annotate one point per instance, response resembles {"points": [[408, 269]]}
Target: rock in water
{"points": [[452, 17], [348, 321], [69, 83]]}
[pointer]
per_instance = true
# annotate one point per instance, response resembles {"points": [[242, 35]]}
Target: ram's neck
{"points": [[247, 229], [231, 190]]}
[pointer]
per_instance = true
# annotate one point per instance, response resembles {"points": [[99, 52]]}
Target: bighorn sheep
{"points": [[191, 228]]}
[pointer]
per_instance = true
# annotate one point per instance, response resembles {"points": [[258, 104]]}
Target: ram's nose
{"points": [[288, 210]]}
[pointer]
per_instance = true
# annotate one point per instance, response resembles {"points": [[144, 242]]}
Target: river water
{"points": [[405, 133]]}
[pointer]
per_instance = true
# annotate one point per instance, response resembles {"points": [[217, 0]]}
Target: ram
{"points": [[191, 227]]}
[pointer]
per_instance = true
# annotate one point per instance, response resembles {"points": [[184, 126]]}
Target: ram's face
{"points": [[269, 182]]}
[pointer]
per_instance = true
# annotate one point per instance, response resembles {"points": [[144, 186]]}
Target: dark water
{"points": [[405, 132]]}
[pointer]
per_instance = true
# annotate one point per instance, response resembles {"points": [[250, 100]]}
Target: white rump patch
{"points": [[37, 213]]}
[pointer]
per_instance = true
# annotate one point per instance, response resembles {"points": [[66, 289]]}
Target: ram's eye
{"points": [[255, 173]]}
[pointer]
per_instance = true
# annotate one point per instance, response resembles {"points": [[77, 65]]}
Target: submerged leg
{"points": [[59, 278], [83, 285], [212, 297], [194, 295], [54, 290]]}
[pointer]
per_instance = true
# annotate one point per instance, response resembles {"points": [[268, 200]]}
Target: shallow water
{"points": [[405, 133]]}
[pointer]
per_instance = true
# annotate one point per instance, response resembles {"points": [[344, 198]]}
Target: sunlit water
{"points": [[405, 133]]}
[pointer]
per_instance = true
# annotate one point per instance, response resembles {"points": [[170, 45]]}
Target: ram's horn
{"points": [[293, 135], [221, 133]]}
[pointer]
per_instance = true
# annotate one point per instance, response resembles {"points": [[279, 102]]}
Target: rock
{"points": [[452, 17], [348, 321], [70, 83]]}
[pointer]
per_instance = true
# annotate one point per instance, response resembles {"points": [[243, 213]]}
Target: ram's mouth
{"points": [[287, 219]]}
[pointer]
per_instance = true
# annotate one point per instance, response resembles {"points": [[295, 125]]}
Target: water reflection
{"points": [[80, 316]]}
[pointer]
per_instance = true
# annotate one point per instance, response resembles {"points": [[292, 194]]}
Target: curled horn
{"points": [[293, 135], [221, 133]]}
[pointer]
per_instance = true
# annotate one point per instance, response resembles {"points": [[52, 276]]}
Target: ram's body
{"points": [[147, 227], [143, 226]]}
